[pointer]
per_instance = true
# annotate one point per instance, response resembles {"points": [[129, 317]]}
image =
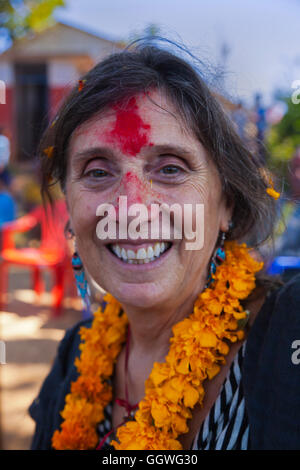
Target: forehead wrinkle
{"points": [[187, 150], [174, 108], [149, 153]]}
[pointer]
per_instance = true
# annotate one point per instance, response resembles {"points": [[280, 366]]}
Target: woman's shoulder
{"points": [[279, 313], [288, 288], [71, 340], [69, 345], [282, 304], [63, 363], [72, 333], [271, 377], [46, 407]]}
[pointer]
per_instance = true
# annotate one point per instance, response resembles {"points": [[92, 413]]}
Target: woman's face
{"points": [[145, 153]]}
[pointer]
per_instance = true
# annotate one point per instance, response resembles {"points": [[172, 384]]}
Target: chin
{"points": [[146, 295]]}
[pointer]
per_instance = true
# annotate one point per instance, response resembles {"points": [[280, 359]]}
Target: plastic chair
{"points": [[7, 208], [53, 252], [286, 266]]}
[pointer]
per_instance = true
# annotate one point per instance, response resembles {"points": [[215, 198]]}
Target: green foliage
{"points": [[20, 17], [283, 138]]}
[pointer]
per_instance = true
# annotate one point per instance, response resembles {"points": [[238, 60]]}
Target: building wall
{"points": [[62, 75], [68, 53], [7, 109]]}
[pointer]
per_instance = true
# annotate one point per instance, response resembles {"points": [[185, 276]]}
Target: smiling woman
{"points": [[149, 370]]}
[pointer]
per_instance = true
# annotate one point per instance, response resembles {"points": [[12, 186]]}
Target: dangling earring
{"points": [[82, 285], [218, 256]]}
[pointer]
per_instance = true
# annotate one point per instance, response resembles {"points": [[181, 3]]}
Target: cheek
{"points": [[82, 209], [203, 199]]}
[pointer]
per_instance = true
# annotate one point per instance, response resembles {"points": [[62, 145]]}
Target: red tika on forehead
{"points": [[130, 132]]}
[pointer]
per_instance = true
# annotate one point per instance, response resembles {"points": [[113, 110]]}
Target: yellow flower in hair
{"points": [[268, 180], [273, 193], [81, 84], [49, 151]]}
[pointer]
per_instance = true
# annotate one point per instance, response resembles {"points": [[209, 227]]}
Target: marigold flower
{"points": [[81, 84], [49, 151]]}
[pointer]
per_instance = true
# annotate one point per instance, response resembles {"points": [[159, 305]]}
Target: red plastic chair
{"points": [[53, 252]]}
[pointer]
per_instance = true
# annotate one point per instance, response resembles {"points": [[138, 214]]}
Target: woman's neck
{"points": [[151, 329]]}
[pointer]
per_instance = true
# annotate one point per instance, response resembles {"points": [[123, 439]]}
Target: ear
{"points": [[69, 224], [226, 216]]}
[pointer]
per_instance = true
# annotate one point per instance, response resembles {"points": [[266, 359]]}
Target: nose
{"points": [[135, 191]]}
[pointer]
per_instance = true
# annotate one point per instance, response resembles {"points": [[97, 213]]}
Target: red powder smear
{"points": [[136, 192], [130, 132], [134, 188]]}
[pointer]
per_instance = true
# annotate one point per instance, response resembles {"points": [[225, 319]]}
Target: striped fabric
{"points": [[225, 427]]}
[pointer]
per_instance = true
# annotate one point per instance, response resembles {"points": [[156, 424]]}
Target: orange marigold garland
{"points": [[90, 393], [197, 350]]}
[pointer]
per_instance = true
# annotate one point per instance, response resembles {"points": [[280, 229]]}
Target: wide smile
{"points": [[145, 256]]}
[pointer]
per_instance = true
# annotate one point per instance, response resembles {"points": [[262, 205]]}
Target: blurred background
{"points": [[251, 53]]}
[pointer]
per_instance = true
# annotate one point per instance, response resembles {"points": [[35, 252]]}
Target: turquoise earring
{"points": [[218, 257], [82, 285]]}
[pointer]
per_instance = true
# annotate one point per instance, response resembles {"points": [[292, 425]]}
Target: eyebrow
{"points": [[102, 152], [107, 153]]}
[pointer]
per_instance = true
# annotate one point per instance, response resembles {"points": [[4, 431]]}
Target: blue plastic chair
{"points": [[286, 266], [7, 208]]}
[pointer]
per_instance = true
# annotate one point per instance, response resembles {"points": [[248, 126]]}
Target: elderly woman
{"points": [[192, 348]]}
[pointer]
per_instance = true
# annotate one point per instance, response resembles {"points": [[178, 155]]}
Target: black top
{"points": [[270, 376]]}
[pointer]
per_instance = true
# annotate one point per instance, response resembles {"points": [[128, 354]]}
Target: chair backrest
{"points": [[283, 263], [7, 208]]}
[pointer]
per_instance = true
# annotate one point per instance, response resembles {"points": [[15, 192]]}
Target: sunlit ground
{"points": [[31, 335]]}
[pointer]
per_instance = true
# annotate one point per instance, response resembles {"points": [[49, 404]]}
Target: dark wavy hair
{"points": [[142, 66]]}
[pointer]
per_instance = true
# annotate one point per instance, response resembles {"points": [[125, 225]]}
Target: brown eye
{"points": [[96, 173], [171, 169]]}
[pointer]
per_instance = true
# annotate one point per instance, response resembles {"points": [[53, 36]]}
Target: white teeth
{"points": [[116, 249], [150, 252], [123, 254], [130, 254], [157, 249], [142, 255]]}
